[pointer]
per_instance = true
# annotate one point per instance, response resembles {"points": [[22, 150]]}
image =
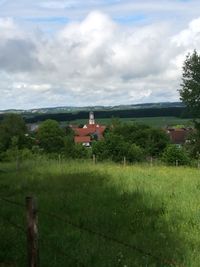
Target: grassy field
{"points": [[155, 209], [151, 121]]}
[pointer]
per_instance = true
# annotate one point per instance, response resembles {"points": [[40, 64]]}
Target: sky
{"points": [[94, 52]]}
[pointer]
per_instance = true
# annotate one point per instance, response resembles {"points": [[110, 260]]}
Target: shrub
{"points": [[135, 153], [81, 152], [16, 154], [114, 148], [100, 150], [173, 153]]}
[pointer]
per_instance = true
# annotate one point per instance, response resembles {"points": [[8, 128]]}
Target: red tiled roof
{"points": [[82, 139], [91, 129]]}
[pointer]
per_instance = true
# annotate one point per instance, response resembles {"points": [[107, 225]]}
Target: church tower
{"points": [[91, 118]]}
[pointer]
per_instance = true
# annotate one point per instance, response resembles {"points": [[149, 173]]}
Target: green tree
{"points": [[115, 148], [12, 126], [193, 144], [153, 141], [190, 94], [51, 136], [156, 141], [190, 87]]}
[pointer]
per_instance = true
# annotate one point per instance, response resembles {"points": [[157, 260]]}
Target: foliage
{"points": [[69, 146], [156, 141], [193, 144], [133, 141], [173, 154], [114, 147], [12, 126], [51, 136], [81, 152], [151, 140], [135, 153], [190, 91], [12, 154], [100, 150]]}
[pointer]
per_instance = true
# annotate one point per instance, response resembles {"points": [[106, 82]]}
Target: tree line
{"points": [[129, 113], [135, 142]]}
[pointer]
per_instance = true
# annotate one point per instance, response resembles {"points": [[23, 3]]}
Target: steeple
{"points": [[91, 118]]}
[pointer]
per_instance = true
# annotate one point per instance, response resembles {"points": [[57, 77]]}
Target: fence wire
{"points": [[169, 262]]}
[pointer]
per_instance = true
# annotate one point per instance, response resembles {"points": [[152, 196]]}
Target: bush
{"points": [[15, 154], [69, 146], [114, 148], [135, 153], [81, 152], [100, 150], [173, 153]]}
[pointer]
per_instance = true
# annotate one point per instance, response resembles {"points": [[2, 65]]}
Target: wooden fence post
{"points": [[151, 161], [32, 233], [17, 161], [94, 159], [124, 161], [198, 160], [59, 159], [176, 163]]}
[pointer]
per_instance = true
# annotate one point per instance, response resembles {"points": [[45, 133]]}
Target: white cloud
{"points": [[189, 37], [58, 4], [8, 29], [93, 61]]}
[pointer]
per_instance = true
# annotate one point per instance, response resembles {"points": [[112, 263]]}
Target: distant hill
{"points": [[67, 114], [70, 109]]}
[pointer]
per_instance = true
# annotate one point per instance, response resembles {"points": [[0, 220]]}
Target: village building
{"points": [[179, 136], [32, 127], [89, 133]]}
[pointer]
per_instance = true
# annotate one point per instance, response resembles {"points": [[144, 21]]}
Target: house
{"points": [[90, 132], [32, 127], [84, 140], [179, 135]]}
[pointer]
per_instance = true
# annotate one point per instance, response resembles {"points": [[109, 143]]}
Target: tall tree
{"points": [[51, 136], [12, 126], [190, 94], [190, 87]]}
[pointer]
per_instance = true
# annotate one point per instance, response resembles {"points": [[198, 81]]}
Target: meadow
{"points": [[84, 209]]}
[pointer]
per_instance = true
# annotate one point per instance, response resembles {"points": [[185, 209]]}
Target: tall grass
{"points": [[153, 208]]}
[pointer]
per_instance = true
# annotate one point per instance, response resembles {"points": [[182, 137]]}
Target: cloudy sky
{"points": [[94, 52]]}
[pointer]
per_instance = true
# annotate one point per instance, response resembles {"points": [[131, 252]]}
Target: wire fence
{"points": [[32, 227]]}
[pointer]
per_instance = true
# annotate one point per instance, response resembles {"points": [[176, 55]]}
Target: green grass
{"points": [[153, 208], [151, 121]]}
